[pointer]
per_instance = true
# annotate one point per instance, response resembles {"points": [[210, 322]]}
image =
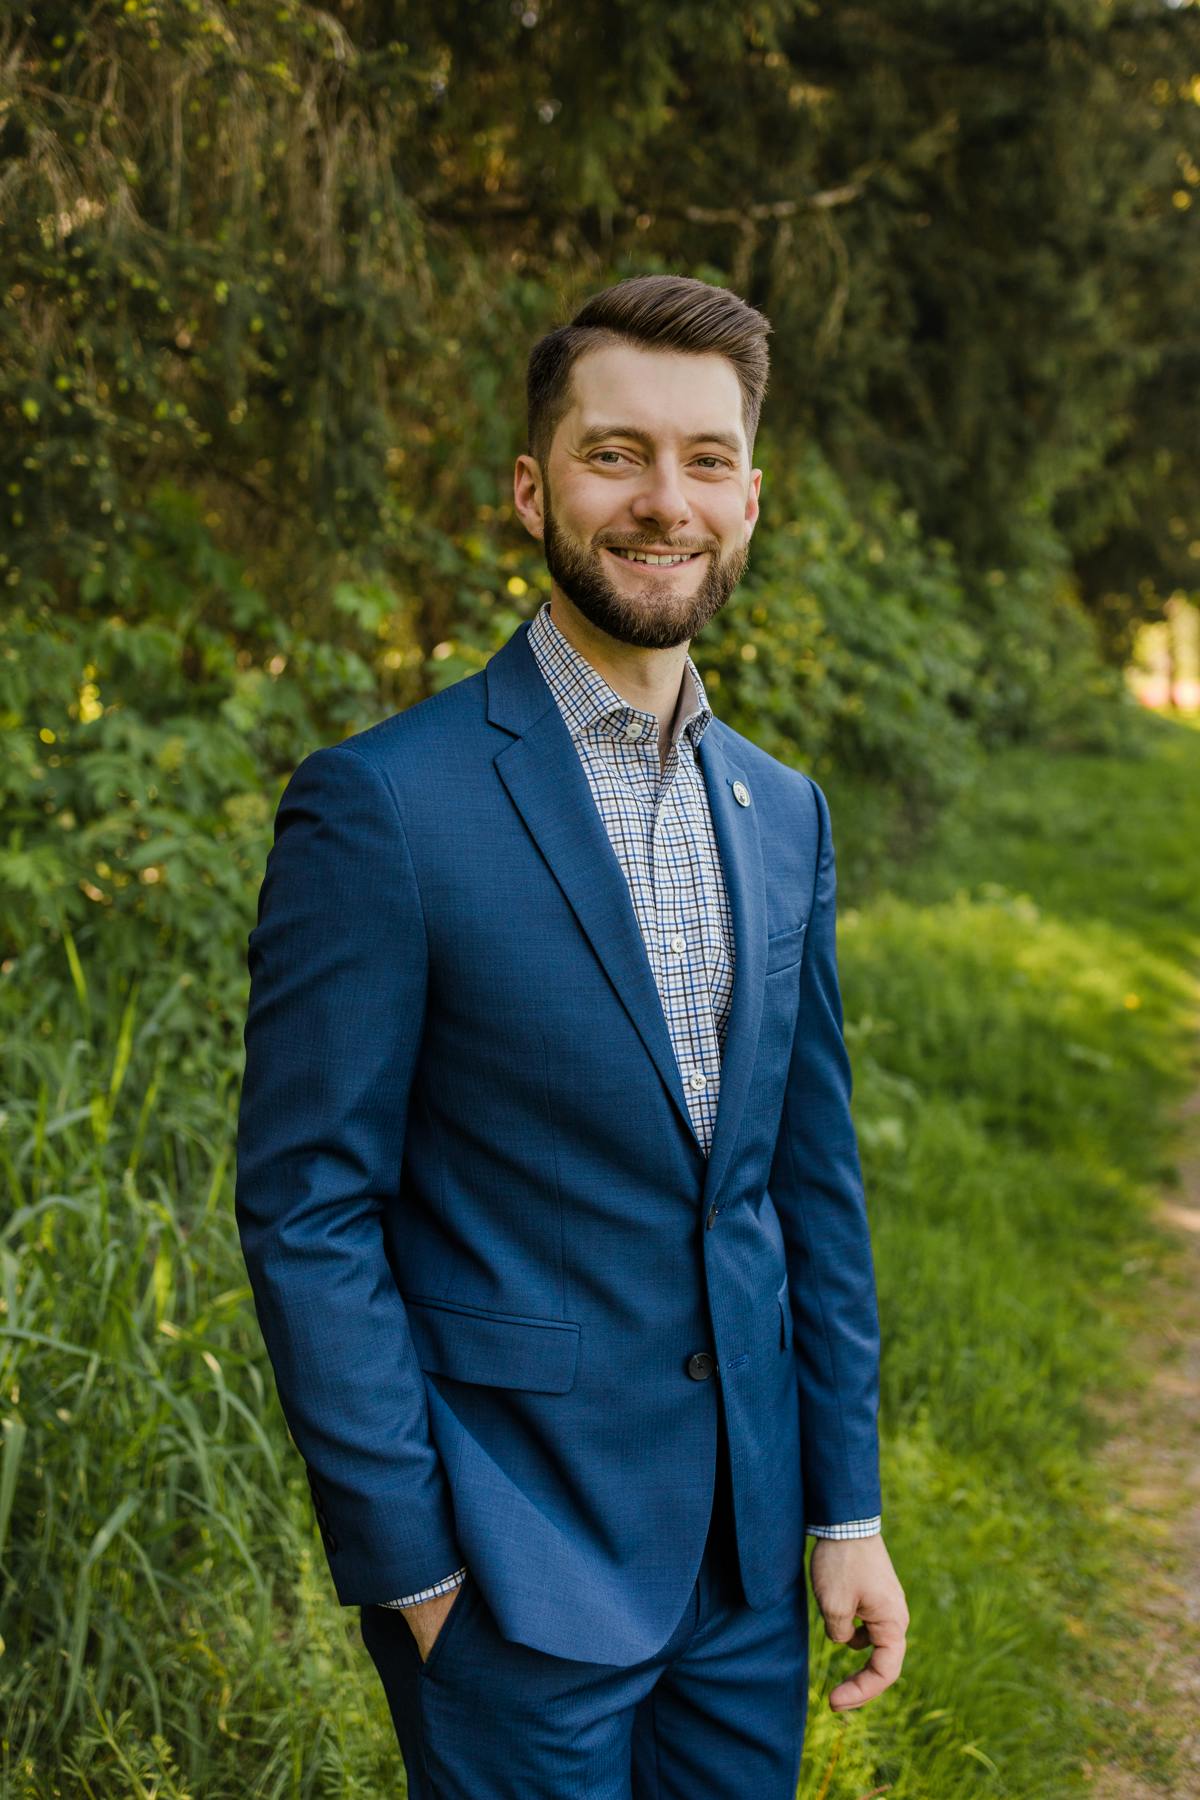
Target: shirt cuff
{"points": [[430, 1593], [854, 1528]]}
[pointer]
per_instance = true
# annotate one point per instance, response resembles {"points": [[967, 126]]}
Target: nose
{"points": [[661, 499]]}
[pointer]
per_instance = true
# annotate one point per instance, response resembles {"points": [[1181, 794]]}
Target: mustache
{"points": [[665, 548]]}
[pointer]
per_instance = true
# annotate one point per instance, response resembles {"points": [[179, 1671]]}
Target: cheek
{"points": [[585, 493], [726, 519]]}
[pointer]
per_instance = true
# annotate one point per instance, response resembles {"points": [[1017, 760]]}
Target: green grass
{"points": [[1021, 1006], [1022, 1010]]}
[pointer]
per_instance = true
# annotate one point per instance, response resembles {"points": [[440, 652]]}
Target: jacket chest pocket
{"points": [[785, 950]]}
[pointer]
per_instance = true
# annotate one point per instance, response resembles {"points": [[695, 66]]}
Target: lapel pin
{"points": [[741, 793]]}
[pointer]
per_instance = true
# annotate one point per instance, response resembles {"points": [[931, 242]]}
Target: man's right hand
{"points": [[426, 1620]]}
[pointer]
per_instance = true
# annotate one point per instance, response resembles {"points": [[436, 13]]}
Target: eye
{"points": [[599, 453], [719, 461]]}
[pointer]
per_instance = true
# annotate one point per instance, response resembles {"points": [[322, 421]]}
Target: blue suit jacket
{"points": [[483, 1239]]}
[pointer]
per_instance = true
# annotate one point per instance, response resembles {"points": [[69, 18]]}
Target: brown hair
{"points": [[667, 312]]}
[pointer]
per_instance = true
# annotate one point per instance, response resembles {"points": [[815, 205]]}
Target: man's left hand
{"points": [[853, 1578]]}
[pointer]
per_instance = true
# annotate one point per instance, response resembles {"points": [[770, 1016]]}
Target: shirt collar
{"points": [[586, 700]]}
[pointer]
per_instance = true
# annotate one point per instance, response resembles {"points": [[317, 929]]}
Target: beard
{"points": [[655, 621]]}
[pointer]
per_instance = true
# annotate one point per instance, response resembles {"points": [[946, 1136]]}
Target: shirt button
{"points": [[633, 730], [679, 942], [698, 1079], [700, 1366]]}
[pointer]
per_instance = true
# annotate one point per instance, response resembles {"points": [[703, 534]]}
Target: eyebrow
{"points": [[598, 433]]}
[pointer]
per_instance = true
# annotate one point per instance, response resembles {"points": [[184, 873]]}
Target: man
{"points": [[547, 1182]]}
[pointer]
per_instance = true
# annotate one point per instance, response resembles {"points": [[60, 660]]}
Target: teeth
{"points": [[646, 557]]}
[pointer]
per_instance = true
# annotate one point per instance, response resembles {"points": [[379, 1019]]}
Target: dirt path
{"points": [[1153, 1689]]}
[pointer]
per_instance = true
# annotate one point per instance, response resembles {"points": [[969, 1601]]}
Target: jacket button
{"points": [[329, 1541], [712, 1215], [700, 1366]]}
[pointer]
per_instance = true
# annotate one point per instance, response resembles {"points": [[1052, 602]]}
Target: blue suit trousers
{"points": [[717, 1714]]}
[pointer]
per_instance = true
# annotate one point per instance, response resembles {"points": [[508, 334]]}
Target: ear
{"points": [[752, 501], [527, 495]]}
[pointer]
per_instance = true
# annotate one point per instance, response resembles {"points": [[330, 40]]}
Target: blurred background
{"points": [[270, 274]]}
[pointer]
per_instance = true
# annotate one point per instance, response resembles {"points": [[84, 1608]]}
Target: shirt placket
{"points": [[679, 959]]}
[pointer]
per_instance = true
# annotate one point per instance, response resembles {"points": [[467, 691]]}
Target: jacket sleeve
{"points": [[816, 1185], [338, 978]]}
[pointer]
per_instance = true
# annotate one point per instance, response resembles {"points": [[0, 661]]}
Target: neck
{"points": [[651, 680]]}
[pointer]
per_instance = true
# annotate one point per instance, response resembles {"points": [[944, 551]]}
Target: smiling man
{"points": [[638, 443], [547, 1181]]}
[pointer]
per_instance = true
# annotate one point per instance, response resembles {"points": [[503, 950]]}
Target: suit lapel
{"points": [[739, 842], [546, 782], [543, 775]]}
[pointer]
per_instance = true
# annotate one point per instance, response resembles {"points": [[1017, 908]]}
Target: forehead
{"points": [[666, 394]]}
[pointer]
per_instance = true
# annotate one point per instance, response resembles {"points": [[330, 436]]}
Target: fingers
{"points": [[880, 1672], [844, 1631], [853, 1581], [839, 1626], [883, 1665]]}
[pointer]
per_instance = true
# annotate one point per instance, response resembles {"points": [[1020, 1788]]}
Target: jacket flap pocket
{"points": [[785, 948], [494, 1349]]}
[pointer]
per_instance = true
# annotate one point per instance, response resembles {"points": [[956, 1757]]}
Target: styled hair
{"points": [[660, 312]]}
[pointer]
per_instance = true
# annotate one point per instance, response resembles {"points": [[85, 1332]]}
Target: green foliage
{"points": [[1039, 679], [291, 263], [142, 736]]}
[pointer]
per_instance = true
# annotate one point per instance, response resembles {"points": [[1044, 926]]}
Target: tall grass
{"points": [[166, 1618], [1020, 1008]]}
